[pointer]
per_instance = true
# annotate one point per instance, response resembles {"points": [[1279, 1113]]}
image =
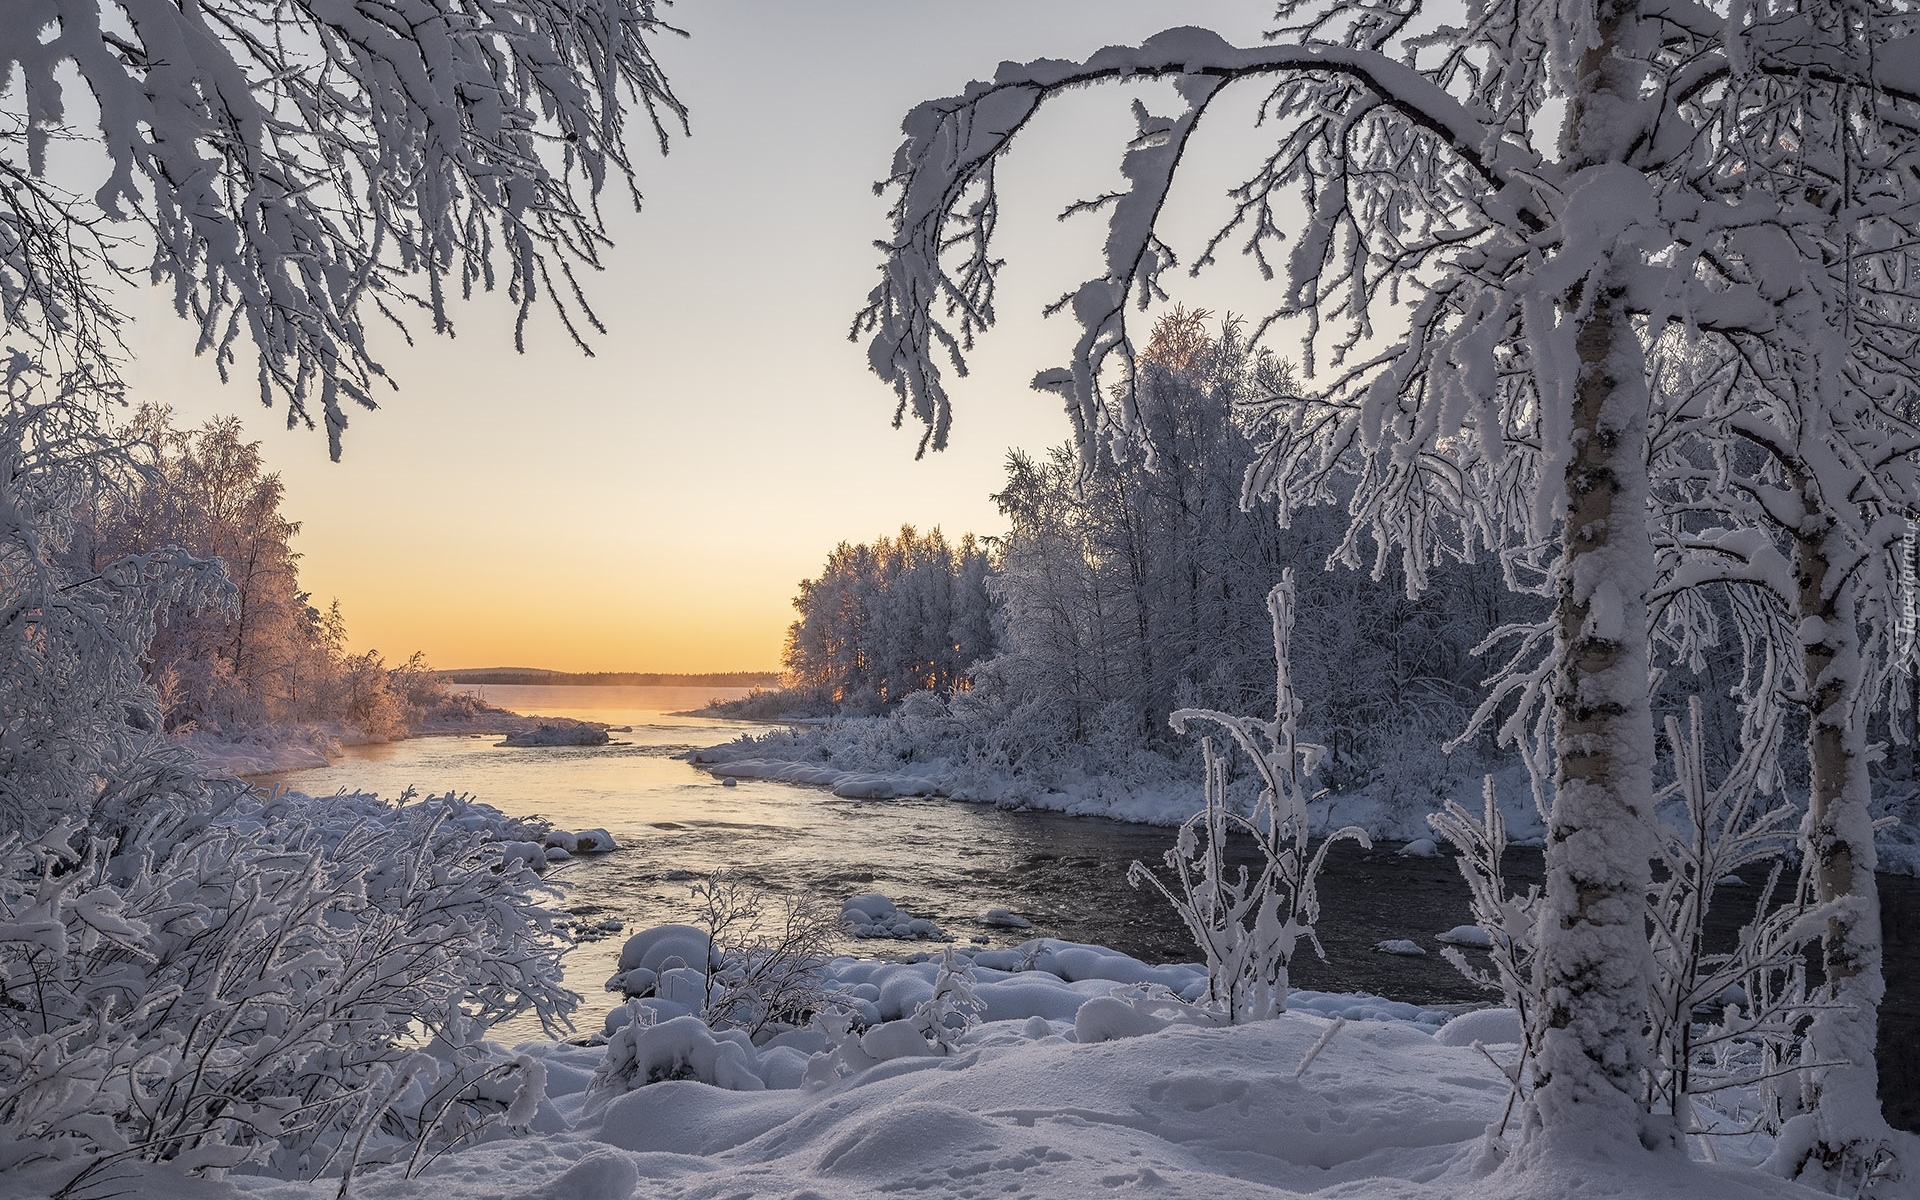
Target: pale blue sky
{"points": [[653, 507]]}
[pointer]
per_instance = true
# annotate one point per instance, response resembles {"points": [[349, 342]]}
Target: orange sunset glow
{"points": [[652, 508]]}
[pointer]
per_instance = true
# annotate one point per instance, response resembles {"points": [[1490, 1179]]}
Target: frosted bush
{"points": [[1722, 830], [1249, 926], [248, 983], [766, 970], [1504, 925], [641, 1052], [955, 1006]]}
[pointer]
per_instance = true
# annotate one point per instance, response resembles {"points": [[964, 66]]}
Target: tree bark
{"points": [[1593, 958], [1839, 846], [1594, 961]]}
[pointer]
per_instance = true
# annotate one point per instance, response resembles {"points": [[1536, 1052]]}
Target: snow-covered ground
{"points": [[1076, 1081], [272, 749]]}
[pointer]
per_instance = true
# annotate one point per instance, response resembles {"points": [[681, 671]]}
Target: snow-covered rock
{"points": [[1491, 1026], [559, 733], [587, 841], [874, 916], [1002, 918], [667, 946], [1400, 946], [1466, 935]]}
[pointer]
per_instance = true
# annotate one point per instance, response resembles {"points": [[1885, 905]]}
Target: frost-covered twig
{"points": [[1509, 921], [770, 951], [1248, 927]]}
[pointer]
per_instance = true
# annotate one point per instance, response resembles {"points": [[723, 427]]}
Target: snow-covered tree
{"points": [[1535, 190], [1140, 587], [904, 614], [300, 173], [77, 717], [1802, 513]]}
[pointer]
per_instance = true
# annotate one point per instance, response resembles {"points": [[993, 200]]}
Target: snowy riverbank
{"points": [[276, 748], [899, 755], [920, 755]]}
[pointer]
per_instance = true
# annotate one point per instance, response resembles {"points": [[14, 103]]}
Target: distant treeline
{"points": [[534, 675]]}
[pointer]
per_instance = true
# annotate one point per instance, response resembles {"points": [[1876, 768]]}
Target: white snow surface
{"points": [[1075, 1084], [271, 749]]}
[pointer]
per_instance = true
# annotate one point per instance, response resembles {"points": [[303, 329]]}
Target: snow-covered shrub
{"points": [[766, 974], [245, 982], [1756, 990], [1248, 927], [1506, 921], [641, 1052], [955, 1006]]}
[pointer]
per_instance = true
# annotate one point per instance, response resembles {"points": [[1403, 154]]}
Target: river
{"points": [[939, 859]]}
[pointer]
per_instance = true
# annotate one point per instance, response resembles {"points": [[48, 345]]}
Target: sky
{"points": [[653, 507]]}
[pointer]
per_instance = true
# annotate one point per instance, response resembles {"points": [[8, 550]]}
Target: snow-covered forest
{"points": [[1118, 597], [1604, 417], [266, 657]]}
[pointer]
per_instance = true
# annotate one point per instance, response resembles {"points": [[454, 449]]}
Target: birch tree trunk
{"points": [[1839, 845], [1594, 960]]}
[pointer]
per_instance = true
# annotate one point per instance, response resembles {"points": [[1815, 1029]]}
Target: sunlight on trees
{"points": [[904, 614]]}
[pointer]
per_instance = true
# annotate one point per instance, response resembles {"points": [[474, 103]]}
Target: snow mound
{"points": [[570, 733], [1420, 848], [1003, 918], [874, 916], [1491, 1026], [1110, 1018], [1179, 1110], [655, 948], [640, 1052], [1466, 935], [1400, 946], [601, 1175], [587, 841]]}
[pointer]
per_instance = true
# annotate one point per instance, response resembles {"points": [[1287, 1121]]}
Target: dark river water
{"points": [[949, 861]]}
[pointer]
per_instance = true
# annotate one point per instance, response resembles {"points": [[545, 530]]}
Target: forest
{"points": [[262, 655], [1125, 592]]}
